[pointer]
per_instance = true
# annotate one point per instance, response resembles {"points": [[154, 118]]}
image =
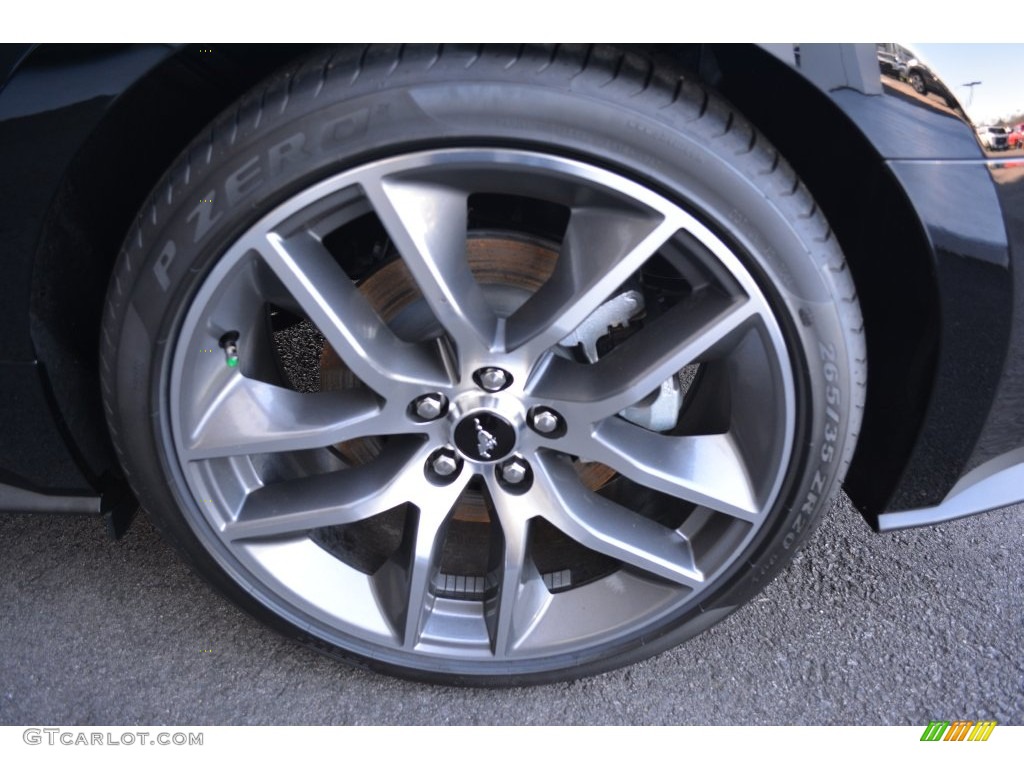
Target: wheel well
{"points": [[882, 238], [149, 125]]}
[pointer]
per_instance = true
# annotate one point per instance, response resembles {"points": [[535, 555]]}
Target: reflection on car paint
{"points": [[904, 74]]}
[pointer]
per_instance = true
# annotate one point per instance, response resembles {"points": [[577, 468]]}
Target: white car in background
{"points": [[994, 137]]}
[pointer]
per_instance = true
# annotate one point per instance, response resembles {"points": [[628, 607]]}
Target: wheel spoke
{"points": [[352, 327], [683, 336], [403, 584], [703, 469], [608, 528], [521, 598], [602, 248], [249, 416], [294, 506], [427, 223]]}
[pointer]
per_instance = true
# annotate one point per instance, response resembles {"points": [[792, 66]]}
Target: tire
{"points": [[917, 83], [460, 480]]}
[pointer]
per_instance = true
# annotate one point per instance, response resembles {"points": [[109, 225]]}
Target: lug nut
{"points": [[545, 422], [514, 471], [444, 463], [492, 379], [429, 407]]}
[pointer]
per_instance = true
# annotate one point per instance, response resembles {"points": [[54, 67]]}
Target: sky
{"points": [[999, 67]]}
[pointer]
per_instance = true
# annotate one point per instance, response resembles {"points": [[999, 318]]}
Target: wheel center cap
{"points": [[485, 436]]}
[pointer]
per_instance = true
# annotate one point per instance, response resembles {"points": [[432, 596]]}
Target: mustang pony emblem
{"points": [[485, 442]]}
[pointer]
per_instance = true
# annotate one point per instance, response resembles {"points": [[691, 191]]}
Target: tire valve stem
{"points": [[229, 343]]}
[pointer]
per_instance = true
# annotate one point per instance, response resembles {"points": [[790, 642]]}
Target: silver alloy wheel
{"points": [[262, 467]]}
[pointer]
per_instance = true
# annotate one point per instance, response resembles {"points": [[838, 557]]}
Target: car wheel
{"points": [[483, 365], [917, 83]]}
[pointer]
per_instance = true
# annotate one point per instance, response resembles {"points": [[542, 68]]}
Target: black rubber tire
{"points": [[343, 107]]}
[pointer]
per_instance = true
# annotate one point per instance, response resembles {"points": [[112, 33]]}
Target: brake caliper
{"points": [[659, 411]]}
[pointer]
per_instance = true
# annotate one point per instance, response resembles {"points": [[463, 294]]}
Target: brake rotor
{"points": [[509, 270]]}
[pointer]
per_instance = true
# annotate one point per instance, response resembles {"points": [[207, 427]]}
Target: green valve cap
{"points": [[229, 343]]}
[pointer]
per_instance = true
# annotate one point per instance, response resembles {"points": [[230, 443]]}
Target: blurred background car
{"points": [[1016, 137], [994, 137]]}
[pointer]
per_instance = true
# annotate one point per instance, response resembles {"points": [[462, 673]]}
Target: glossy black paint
{"points": [[85, 131], [34, 449], [1004, 427], [961, 214], [10, 57]]}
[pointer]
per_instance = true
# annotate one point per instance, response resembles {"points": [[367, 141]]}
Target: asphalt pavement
{"points": [[861, 629]]}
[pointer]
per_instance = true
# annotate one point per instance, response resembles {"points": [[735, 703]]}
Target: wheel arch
{"points": [[852, 183], [134, 141]]}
